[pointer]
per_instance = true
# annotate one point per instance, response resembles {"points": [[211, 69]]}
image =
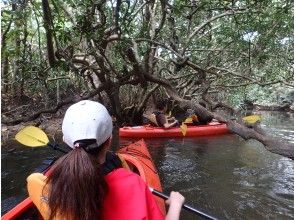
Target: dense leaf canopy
{"points": [[125, 52]]}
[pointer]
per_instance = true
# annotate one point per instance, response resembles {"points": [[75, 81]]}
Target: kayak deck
{"points": [[148, 131], [139, 161]]}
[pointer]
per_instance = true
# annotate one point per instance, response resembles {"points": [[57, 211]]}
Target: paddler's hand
{"points": [[175, 200], [171, 119]]}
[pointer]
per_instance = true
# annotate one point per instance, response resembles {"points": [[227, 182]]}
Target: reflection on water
{"points": [[224, 176]]}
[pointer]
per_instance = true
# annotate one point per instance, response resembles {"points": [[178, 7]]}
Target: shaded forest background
{"points": [[226, 54]]}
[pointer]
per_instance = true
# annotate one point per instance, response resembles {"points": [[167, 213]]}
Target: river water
{"points": [[223, 176]]}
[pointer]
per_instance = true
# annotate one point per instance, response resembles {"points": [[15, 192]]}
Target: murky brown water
{"points": [[224, 176]]}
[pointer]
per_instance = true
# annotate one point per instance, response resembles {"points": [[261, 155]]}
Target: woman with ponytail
{"points": [[89, 182]]}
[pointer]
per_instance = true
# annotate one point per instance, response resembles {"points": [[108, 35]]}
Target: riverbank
{"points": [[51, 126]]}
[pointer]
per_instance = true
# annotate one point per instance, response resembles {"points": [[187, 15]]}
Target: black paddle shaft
{"points": [[187, 207], [56, 147]]}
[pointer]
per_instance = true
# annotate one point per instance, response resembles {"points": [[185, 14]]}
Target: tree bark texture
{"points": [[49, 33]]}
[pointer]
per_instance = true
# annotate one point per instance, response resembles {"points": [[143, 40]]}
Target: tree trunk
{"points": [[5, 69], [15, 74], [271, 144], [49, 35]]}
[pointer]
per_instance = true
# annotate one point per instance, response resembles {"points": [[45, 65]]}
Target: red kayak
{"points": [[148, 131], [138, 159]]}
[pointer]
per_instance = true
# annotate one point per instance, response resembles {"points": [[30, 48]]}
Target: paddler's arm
{"points": [[175, 202], [163, 120], [36, 185], [170, 118], [169, 125]]}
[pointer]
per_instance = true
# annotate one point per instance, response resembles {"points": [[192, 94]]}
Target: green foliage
{"points": [[242, 53]]}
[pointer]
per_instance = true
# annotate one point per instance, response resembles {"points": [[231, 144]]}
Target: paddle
{"points": [[184, 128], [186, 207], [34, 137], [251, 119], [188, 120]]}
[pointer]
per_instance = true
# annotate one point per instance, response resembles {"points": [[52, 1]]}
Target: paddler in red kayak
{"points": [[89, 182], [159, 118]]}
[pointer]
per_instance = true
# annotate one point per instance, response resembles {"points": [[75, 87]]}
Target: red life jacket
{"points": [[129, 198]]}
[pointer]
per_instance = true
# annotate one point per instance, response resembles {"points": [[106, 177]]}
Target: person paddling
{"points": [[89, 182], [159, 118]]}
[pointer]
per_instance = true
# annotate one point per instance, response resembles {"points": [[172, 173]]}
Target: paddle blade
{"points": [[184, 128], [251, 119], [191, 119], [32, 136], [188, 120]]}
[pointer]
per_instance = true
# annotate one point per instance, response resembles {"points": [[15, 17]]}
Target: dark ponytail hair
{"points": [[76, 186]]}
